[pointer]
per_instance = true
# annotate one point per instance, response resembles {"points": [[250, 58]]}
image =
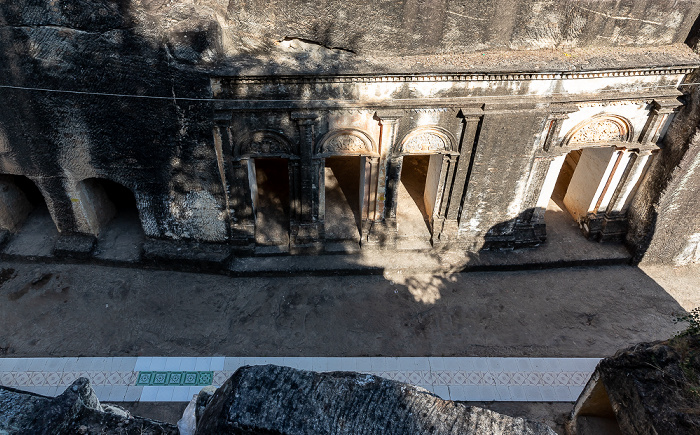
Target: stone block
{"points": [[74, 246], [187, 254]]}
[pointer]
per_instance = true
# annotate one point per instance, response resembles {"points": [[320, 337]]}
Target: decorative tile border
{"points": [[188, 379], [177, 379]]}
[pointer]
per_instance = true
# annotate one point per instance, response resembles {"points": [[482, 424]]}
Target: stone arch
{"points": [[600, 130], [428, 140], [97, 201], [19, 197], [346, 142], [264, 143]]}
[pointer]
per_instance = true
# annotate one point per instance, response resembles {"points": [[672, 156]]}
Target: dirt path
{"points": [[82, 310]]}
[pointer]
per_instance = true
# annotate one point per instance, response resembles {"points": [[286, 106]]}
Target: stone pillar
{"points": [[377, 232], [530, 225], [294, 192], [393, 179], [660, 116], [241, 203], [307, 230], [370, 179], [236, 183], [223, 147], [614, 222], [454, 194]]}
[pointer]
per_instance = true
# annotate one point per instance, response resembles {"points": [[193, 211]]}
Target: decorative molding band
{"points": [[389, 78]]}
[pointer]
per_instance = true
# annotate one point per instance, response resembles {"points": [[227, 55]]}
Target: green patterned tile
{"points": [[160, 378], [205, 378], [175, 378], [190, 379], [144, 378]]}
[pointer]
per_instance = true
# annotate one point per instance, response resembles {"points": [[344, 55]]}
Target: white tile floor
{"points": [[472, 379]]}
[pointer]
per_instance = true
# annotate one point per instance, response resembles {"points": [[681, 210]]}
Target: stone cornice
{"points": [[389, 78]]}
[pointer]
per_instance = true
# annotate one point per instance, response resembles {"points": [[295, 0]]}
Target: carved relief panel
{"points": [[347, 141], [427, 140]]}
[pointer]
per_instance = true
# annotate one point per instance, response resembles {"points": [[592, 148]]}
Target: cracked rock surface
{"points": [[281, 400], [76, 411]]}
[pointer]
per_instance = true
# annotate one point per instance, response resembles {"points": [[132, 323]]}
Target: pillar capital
{"points": [[304, 118]]}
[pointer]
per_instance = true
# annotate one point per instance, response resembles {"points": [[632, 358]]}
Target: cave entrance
{"points": [[270, 198], [417, 196], [20, 199], [112, 214], [343, 201]]}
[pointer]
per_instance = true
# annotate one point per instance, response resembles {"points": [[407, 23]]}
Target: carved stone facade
{"points": [[199, 126], [468, 136]]}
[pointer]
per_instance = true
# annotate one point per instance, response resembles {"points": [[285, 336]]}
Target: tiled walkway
{"points": [[160, 379]]}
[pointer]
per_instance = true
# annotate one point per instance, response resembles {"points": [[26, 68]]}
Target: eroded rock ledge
{"points": [[281, 400], [76, 411]]}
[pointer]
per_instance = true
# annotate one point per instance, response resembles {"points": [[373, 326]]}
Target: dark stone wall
{"points": [[117, 114], [119, 90], [501, 167], [664, 219]]}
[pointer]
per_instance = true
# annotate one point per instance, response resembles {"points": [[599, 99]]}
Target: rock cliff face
{"points": [[651, 388], [281, 400], [76, 411], [121, 90]]}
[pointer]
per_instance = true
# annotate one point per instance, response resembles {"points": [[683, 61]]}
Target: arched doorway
{"points": [[349, 160], [421, 165], [270, 199], [596, 179], [272, 167], [343, 202]]}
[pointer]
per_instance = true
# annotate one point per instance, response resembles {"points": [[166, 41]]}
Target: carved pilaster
{"points": [[662, 110], [614, 222], [553, 124], [376, 231], [306, 232], [454, 193], [241, 204]]}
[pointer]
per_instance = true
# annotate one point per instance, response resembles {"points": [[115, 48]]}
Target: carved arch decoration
{"points": [[428, 140], [264, 143], [346, 142], [602, 129]]}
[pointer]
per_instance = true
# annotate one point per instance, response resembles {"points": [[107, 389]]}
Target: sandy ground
{"points": [[87, 310]]}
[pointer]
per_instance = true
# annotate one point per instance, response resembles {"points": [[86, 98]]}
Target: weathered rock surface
{"points": [[652, 388], [281, 400], [76, 411]]}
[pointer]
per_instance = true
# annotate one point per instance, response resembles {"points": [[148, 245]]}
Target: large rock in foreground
{"points": [[281, 400], [651, 388], [76, 411]]}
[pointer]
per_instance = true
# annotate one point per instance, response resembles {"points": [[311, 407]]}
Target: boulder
{"points": [[281, 400], [76, 411], [650, 388]]}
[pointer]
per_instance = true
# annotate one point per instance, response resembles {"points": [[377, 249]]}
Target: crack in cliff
{"points": [[615, 17], [315, 43], [61, 28]]}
